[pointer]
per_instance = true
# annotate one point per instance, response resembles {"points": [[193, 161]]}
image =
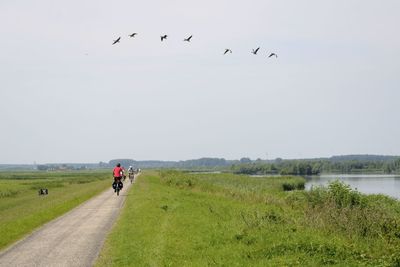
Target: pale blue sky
{"points": [[68, 95]]}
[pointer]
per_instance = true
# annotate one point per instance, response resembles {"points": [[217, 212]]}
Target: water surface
{"points": [[364, 183]]}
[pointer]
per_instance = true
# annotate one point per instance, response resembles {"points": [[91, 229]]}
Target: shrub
{"points": [[343, 195], [293, 184], [340, 208]]}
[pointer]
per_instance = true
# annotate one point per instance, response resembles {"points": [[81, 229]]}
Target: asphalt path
{"points": [[74, 239]]}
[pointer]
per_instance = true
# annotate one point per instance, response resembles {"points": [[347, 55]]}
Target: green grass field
{"points": [[177, 219], [22, 209]]}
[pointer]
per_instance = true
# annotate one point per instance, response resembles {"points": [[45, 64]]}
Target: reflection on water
{"points": [[368, 184]]}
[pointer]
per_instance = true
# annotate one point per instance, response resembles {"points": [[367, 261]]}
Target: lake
{"points": [[364, 183]]}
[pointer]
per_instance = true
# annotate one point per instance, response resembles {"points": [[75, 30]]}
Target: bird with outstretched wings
{"points": [[255, 51], [188, 39], [227, 50], [116, 41]]}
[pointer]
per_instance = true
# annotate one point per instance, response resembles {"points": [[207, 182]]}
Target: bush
{"points": [[293, 184], [340, 208], [343, 195]]}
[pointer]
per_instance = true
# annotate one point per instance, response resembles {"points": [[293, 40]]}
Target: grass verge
{"points": [[21, 208], [177, 219]]}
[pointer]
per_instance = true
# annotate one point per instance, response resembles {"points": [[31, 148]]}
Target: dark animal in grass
{"points": [[43, 191]]}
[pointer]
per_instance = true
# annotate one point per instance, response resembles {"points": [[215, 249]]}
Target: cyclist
{"points": [[123, 175], [130, 170], [118, 172], [131, 173]]}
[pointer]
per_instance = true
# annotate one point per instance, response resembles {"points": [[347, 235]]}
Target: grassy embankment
{"points": [[178, 219], [22, 209]]}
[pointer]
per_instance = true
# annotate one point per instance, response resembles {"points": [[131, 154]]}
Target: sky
{"points": [[68, 95]]}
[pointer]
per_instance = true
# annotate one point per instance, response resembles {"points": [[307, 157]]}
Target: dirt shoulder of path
{"points": [[74, 239]]}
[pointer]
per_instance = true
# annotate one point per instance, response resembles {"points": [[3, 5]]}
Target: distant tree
{"points": [[103, 164], [42, 167], [123, 162], [258, 160], [388, 168], [273, 168], [245, 160], [397, 164], [316, 168]]}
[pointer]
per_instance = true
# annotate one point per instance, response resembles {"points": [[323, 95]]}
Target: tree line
{"points": [[315, 167], [335, 164], [245, 165]]}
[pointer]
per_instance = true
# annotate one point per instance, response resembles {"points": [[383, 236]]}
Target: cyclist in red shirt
{"points": [[118, 172]]}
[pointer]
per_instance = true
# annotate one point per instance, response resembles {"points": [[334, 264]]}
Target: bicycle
{"points": [[131, 177], [117, 186]]}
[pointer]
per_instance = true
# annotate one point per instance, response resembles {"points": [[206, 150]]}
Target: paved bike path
{"points": [[74, 239]]}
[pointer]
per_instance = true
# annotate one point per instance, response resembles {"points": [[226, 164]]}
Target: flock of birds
{"points": [[165, 36]]}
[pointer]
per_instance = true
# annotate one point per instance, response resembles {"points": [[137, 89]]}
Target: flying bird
{"points": [[227, 50], [273, 55], [188, 39], [133, 34], [116, 41], [164, 37], [255, 51]]}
